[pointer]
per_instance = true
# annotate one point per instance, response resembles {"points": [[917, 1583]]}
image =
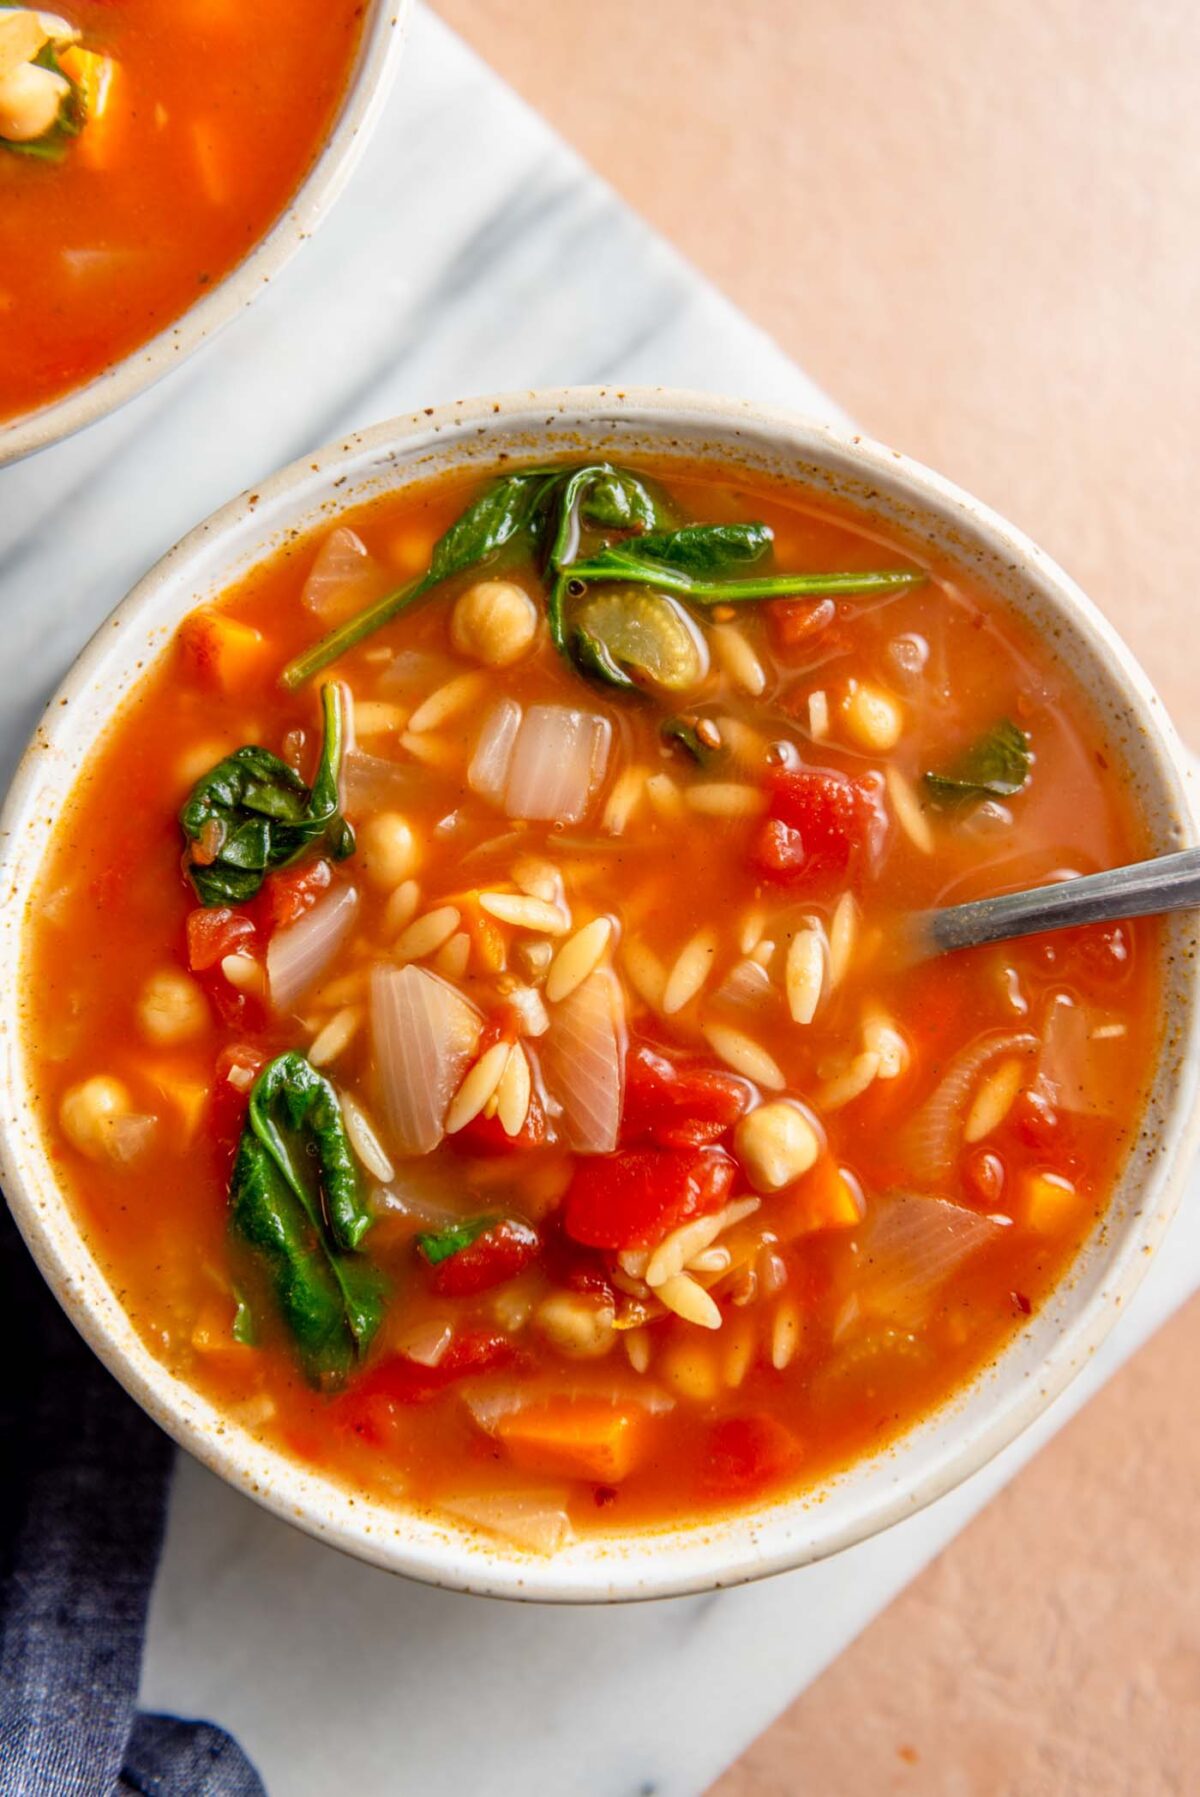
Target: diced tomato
{"points": [[748, 1454], [214, 932], [398, 1380], [677, 1107], [227, 1106], [821, 823], [487, 1135], [497, 1255], [633, 1198], [288, 894], [795, 623]]}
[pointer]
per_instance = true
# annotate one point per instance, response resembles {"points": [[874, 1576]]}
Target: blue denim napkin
{"points": [[83, 1487]]}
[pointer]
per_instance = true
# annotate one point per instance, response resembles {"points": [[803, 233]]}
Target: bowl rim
{"points": [[384, 34], [677, 1560]]}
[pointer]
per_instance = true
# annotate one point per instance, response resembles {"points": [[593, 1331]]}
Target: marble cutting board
{"points": [[472, 253]]}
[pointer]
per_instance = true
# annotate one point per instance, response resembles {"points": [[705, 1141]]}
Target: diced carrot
{"points": [[577, 1438], [409, 550], [228, 653], [487, 938], [1048, 1201], [187, 1097], [825, 1198], [99, 79]]}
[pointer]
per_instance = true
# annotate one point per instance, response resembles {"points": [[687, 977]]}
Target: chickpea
{"points": [[30, 97], [494, 621], [88, 1110], [776, 1144], [873, 719], [172, 1008], [388, 850], [576, 1325]]}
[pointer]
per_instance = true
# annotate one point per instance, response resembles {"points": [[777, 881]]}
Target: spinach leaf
{"points": [[252, 813], [996, 766], [309, 1105], [439, 1245], [243, 1321], [617, 500], [686, 734], [505, 514], [330, 1299], [704, 549], [629, 562], [593, 657]]}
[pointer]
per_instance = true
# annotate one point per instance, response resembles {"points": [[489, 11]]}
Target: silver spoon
{"points": [[1168, 883]]}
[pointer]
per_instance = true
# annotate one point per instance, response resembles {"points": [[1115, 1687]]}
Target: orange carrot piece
{"points": [[825, 1198], [577, 1438], [228, 653]]}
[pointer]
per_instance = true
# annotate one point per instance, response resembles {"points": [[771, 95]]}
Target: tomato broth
{"points": [[183, 131], [654, 1182]]}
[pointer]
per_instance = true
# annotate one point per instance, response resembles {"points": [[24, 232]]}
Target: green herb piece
{"points": [[296, 1198], [996, 766], [625, 562], [439, 1245], [686, 734], [628, 635], [252, 813], [243, 1321], [504, 516], [542, 510], [704, 550]]}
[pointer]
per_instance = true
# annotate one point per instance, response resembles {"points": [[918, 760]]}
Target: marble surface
{"points": [[471, 253]]}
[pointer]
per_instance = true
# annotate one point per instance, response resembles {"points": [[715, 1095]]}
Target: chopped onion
{"points": [[488, 772], [425, 1342], [424, 1035], [534, 1520], [299, 955], [931, 1140], [558, 760], [491, 1404], [530, 1006], [127, 1136], [343, 579], [909, 1246], [416, 668], [372, 783], [746, 983], [1072, 1060], [583, 1062]]}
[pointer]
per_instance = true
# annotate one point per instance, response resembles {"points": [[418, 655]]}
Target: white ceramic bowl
{"points": [[535, 427], [383, 35]]}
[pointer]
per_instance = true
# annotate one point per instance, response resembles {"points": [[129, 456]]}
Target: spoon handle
{"points": [[1168, 883]]}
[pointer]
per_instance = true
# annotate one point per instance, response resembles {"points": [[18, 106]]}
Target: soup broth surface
{"points": [[205, 116], [680, 1188]]}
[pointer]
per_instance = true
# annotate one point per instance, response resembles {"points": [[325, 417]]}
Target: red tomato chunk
{"points": [[820, 825], [633, 1198], [492, 1258], [678, 1107]]}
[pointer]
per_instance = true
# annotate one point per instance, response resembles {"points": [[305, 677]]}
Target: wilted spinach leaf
{"points": [[996, 766], [252, 813]]}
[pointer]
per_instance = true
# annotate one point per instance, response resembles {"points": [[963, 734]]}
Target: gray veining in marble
{"points": [[472, 253]]}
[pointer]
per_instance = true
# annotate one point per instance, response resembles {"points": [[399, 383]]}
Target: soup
{"points": [[470, 1011], [144, 150]]}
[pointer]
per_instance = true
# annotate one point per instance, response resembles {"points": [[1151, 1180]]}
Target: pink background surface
{"points": [[974, 222]]}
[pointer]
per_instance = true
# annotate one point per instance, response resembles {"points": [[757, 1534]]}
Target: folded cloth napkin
{"points": [[83, 1493]]}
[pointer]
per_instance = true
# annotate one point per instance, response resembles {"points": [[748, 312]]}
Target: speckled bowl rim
{"points": [[383, 37], [939, 1453]]}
